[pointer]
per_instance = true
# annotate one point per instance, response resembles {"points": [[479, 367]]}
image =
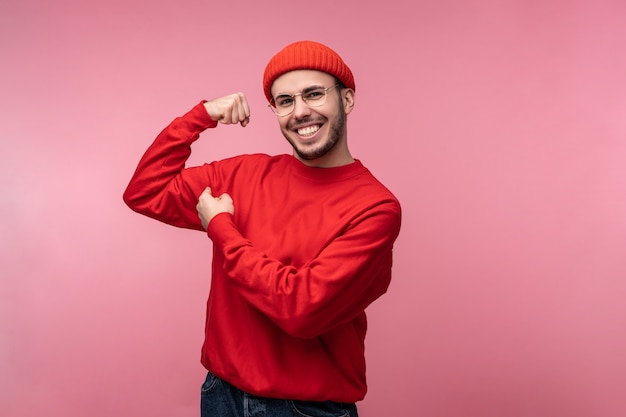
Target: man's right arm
{"points": [[161, 187]]}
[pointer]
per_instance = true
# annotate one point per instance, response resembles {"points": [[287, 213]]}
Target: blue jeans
{"points": [[221, 399]]}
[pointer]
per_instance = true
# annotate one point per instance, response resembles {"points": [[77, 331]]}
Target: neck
{"points": [[338, 156], [326, 163]]}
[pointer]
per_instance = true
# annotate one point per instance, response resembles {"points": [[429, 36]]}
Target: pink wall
{"points": [[502, 129]]}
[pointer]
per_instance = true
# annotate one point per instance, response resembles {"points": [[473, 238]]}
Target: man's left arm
{"points": [[348, 275]]}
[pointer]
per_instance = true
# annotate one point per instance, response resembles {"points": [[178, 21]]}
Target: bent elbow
{"points": [[135, 200], [131, 198]]}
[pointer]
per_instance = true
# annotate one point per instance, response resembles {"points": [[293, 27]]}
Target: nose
{"points": [[300, 108]]}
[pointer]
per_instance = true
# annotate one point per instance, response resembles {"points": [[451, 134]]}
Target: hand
{"points": [[209, 206], [229, 109]]}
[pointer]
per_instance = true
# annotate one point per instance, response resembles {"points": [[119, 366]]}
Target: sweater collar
{"points": [[339, 173]]}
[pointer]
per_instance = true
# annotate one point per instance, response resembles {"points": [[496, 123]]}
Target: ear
{"points": [[348, 100]]}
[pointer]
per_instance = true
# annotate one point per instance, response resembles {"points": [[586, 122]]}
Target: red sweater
{"points": [[307, 250]]}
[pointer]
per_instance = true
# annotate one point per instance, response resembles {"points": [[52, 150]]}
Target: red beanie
{"points": [[306, 55]]}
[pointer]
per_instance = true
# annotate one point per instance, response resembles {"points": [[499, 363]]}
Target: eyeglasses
{"points": [[314, 96]]}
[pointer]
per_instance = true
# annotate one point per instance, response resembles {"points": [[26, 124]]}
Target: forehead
{"points": [[296, 81]]}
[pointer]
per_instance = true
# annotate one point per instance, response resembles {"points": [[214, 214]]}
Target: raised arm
{"points": [[161, 187]]}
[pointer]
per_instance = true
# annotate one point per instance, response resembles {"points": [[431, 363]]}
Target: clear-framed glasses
{"points": [[314, 96]]}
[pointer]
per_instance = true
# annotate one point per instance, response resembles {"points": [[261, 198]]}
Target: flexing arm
{"points": [[161, 187]]}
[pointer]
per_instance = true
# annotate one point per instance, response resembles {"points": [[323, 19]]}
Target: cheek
{"points": [[283, 124]]}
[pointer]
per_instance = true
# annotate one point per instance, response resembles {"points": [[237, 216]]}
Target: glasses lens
{"points": [[284, 104], [315, 97]]}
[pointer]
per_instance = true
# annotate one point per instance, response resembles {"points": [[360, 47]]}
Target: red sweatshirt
{"points": [[307, 250]]}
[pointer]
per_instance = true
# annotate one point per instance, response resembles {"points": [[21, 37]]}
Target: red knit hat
{"points": [[306, 55]]}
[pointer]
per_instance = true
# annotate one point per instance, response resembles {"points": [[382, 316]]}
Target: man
{"points": [[302, 243]]}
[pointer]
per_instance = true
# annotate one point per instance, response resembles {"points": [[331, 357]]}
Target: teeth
{"points": [[308, 131]]}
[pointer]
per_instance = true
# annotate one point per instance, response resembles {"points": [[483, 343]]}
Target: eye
{"points": [[314, 94], [283, 101]]}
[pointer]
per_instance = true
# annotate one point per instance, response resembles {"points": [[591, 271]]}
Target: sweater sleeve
{"points": [[349, 273], [161, 187]]}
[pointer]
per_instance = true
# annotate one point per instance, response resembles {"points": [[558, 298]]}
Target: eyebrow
{"points": [[306, 90]]}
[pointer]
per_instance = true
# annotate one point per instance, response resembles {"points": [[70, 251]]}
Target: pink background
{"points": [[501, 127]]}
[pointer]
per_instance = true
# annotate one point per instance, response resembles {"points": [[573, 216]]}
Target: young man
{"points": [[302, 243]]}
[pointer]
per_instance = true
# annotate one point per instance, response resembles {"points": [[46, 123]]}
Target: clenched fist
{"points": [[209, 206], [229, 109]]}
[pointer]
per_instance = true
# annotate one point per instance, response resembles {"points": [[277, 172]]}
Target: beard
{"points": [[337, 129]]}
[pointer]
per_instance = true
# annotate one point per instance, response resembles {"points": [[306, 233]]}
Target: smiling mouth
{"points": [[308, 131]]}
